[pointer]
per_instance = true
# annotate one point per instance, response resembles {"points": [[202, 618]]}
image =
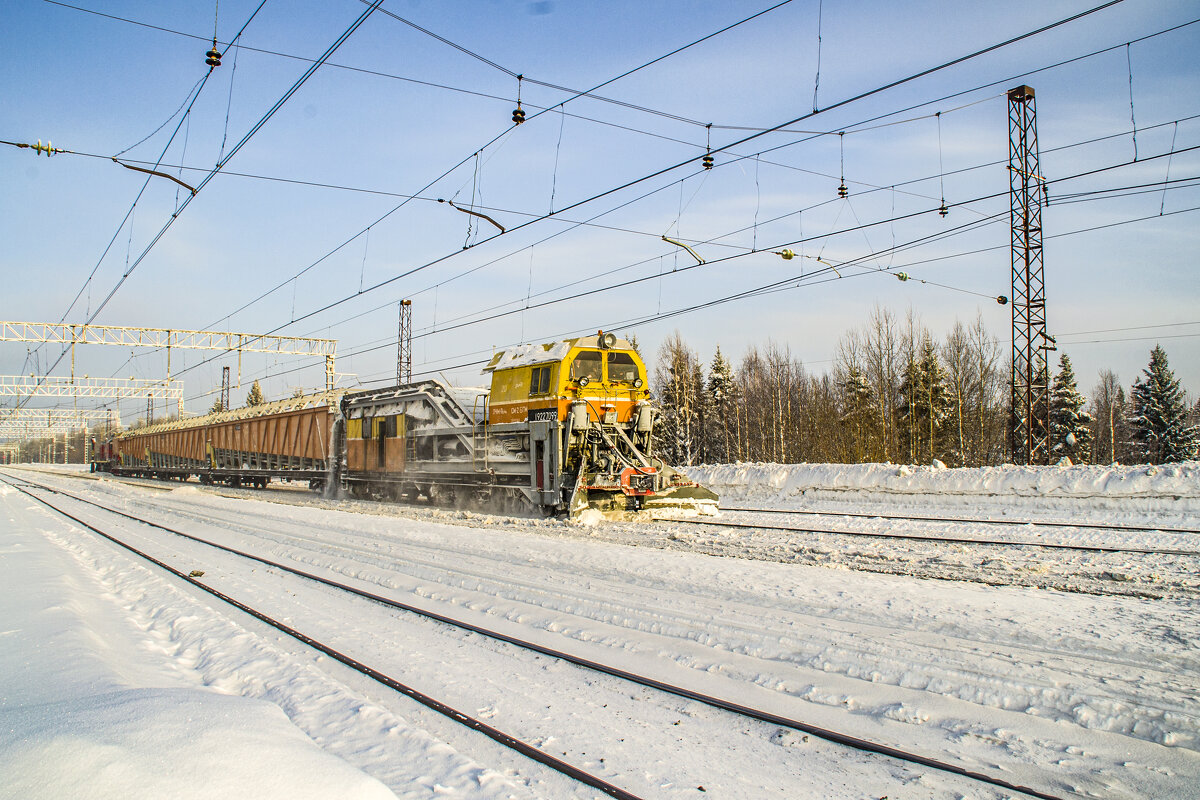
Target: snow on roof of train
{"points": [[524, 355]]}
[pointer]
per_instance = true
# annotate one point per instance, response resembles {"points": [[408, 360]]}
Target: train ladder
{"points": [[479, 434]]}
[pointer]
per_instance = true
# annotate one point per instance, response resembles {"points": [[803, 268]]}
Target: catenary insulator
{"points": [[518, 115], [214, 58]]}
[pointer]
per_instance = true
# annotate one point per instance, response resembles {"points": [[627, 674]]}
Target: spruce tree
{"points": [[924, 403], [1070, 425], [217, 406], [858, 413], [1159, 419], [679, 390], [721, 428], [255, 396]]}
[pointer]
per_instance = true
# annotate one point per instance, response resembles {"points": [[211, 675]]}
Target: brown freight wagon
{"points": [[288, 439]]}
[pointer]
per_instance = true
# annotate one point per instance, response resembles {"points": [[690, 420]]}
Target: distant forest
{"points": [[896, 394]]}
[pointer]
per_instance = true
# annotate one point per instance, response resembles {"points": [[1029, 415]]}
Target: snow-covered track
{"points": [[528, 750], [972, 520], [495, 734], [1085, 548]]}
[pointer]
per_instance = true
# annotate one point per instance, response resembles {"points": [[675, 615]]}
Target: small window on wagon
{"points": [[366, 427], [621, 368], [390, 427], [539, 381], [588, 364]]}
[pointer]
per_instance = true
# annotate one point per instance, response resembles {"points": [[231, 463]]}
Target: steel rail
{"points": [[725, 705], [495, 734], [916, 537], [981, 520]]}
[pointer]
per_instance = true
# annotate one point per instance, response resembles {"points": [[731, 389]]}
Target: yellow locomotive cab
{"points": [[539, 382]]}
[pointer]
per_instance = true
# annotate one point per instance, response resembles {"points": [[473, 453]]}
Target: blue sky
{"points": [[97, 86]]}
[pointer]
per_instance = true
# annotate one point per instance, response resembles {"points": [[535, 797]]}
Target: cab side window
{"points": [[621, 368], [588, 364], [539, 381]]}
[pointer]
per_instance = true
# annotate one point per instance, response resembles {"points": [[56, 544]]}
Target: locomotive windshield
{"points": [[621, 368], [588, 364]]}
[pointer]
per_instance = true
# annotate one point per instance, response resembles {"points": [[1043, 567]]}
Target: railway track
{"points": [[505, 739], [1086, 548]]}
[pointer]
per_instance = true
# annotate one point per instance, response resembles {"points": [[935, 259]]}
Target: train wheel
{"points": [[442, 495]]}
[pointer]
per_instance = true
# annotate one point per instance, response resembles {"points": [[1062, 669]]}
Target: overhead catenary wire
{"points": [[855, 228], [778, 285], [859, 227], [749, 138], [189, 102], [664, 170], [216, 169], [1059, 63]]}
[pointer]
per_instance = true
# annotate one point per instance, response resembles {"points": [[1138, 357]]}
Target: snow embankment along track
{"points": [[1114, 492], [1105, 498], [1100, 688], [109, 676]]}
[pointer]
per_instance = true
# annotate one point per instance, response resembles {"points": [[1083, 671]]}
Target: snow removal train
{"points": [[564, 427]]}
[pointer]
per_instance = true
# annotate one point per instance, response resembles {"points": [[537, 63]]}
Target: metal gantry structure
{"points": [[26, 423], [31, 424], [1029, 420], [56, 418], [89, 388], [168, 339], [404, 345]]}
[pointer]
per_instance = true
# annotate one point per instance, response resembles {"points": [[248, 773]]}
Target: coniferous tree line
{"points": [[895, 393]]}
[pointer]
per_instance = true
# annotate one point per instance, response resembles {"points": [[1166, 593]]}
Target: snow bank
{"points": [[177, 743], [82, 715], [761, 481]]}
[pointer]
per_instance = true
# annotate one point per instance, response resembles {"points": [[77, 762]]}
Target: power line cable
{"points": [[751, 137], [756, 155], [262, 121], [658, 317], [907, 245], [918, 75], [775, 285]]}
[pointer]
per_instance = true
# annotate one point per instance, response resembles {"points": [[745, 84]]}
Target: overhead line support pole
{"points": [[1029, 416], [404, 345]]}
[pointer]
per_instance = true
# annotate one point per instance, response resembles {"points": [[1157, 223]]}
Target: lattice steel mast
{"points": [[404, 345], [1029, 419]]}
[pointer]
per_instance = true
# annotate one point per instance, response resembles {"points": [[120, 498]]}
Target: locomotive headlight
{"points": [[637, 383], [583, 381]]}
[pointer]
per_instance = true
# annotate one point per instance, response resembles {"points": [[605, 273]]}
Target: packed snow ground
{"points": [[1077, 674]]}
